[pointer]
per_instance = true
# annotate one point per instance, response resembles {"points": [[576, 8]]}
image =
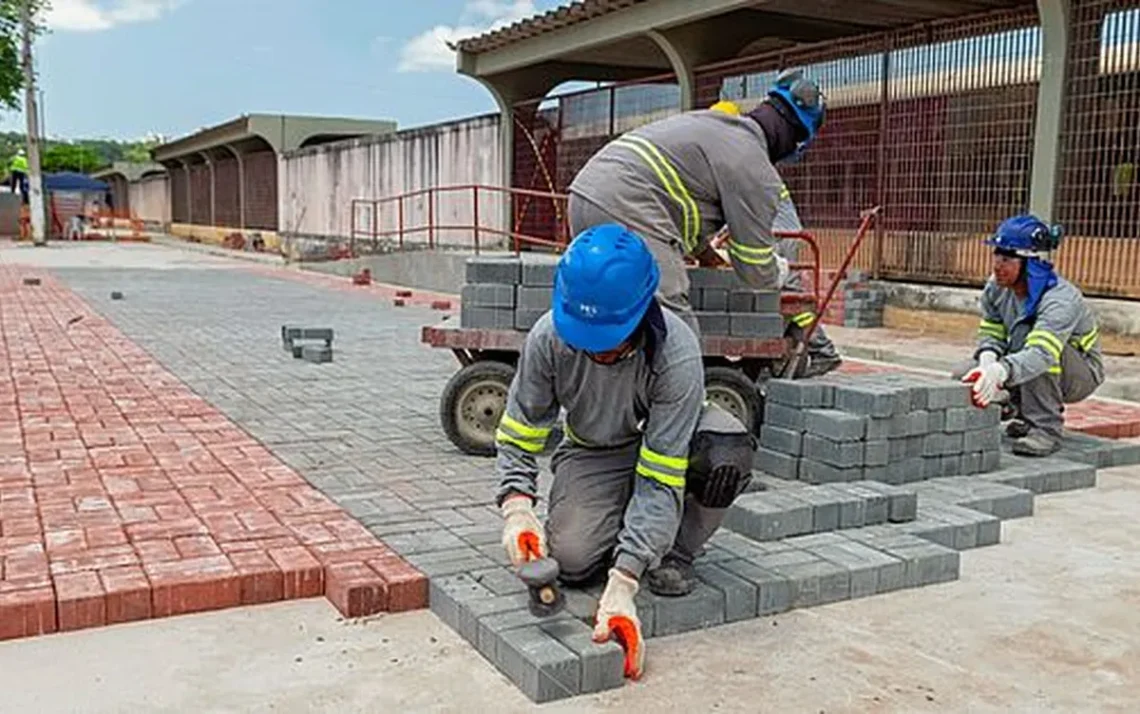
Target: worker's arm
{"points": [[654, 512], [1056, 319], [530, 414], [749, 200], [992, 333]]}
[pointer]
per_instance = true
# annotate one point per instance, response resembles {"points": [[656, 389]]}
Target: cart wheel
{"points": [[731, 390], [472, 404]]}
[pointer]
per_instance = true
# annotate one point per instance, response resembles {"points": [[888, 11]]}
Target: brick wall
{"points": [[226, 206], [261, 190]]}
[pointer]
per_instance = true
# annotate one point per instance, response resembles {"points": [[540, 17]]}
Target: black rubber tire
{"points": [[736, 393], [472, 404]]}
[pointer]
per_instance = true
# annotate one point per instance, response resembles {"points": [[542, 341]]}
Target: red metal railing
{"points": [[370, 217]]}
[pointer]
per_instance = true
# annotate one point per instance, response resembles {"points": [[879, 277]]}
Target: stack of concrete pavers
{"points": [[863, 306], [725, 306], [294, 339], [506, 292], [890, 428]]}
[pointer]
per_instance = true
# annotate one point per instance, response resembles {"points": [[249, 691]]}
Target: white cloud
{"points": [[428, 51], [97, 15]]}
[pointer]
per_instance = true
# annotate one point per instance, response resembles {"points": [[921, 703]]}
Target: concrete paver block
{"points": [[755, 324], [773, 591], [714, 299], [533, 298], [784, 416], [805, 394], [961, 418], [871, 400], [538, 664], [317, 354], [817, 472], [769, 516], [713, 323], [702, 608], [987, 439], [876, 453], [491, 318], [816, 583], [784, 441], [835, 425], [785, 466], [601, 665], [496, 295], [835, 453], [538, 273], [493, 269], [712, 278], [740, 596], [947, 395], [446, 595]]}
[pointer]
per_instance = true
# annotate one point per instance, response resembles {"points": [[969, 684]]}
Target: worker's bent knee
{"points": [[720, 467], [580, 560]]}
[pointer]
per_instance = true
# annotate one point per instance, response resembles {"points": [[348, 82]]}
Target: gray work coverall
{"points": [[1052, 360], [619, 474], [678, 181]]}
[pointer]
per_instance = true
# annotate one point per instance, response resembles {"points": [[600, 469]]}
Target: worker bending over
{"points": [[678, 181], [1038, 346], [648, 469]]}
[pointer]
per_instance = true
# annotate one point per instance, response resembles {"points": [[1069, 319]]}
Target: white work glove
{"points": [[988, 381], [782, 270], [617, 617], [523, 536], [987, 358]]}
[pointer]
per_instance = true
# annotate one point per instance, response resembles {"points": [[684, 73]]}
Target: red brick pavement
{"points": [[125, 496], [1092, 416]]}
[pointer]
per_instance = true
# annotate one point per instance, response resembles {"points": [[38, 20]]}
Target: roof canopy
{"points": [[71, 181]]}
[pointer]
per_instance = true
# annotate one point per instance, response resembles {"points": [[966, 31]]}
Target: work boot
{"points": [[1036, 443], [1017, 429], [819, 365], [674, 578]]}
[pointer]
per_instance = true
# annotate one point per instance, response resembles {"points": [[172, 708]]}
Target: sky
{"points": [[126, 69]]}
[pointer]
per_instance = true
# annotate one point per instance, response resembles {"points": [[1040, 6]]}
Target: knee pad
{"points": [[720, 459]]}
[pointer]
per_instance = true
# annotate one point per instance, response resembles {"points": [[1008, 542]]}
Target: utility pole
{"points": [[35, 179]]}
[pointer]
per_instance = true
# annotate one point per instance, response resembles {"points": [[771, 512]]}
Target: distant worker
{"points": [[648, 468], [680, 180], [18, 168], [1038, 346]]}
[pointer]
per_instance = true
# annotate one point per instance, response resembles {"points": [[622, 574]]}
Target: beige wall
{"points": [[150, 199], [319, 184]]}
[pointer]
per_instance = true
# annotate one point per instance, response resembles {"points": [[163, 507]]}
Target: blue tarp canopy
{"points": [[71, 181]]}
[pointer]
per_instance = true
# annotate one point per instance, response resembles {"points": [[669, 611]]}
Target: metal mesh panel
{"points": [[1098, 193]]}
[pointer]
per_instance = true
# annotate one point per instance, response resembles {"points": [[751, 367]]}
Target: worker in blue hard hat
{"points": [[679, 181], [1038, 341], [647, 469]]}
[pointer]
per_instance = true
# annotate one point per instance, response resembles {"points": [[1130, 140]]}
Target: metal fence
{"points": [[935, 123]]}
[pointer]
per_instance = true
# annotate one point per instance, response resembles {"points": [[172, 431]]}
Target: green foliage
{"points": [[11, 36], [83, 155]]}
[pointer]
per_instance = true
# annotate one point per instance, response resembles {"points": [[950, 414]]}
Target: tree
{"points": [[11, 71], [72, 157]]}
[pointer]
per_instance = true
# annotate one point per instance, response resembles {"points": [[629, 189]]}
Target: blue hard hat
{"points": [[1025, 235], [804, 98], [604, 283]]}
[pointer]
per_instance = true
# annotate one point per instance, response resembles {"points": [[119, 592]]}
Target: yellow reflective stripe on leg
{"points": [[751, 255], [693, 213], [1055, 369], [669, 470], [803, 319], [1048, 341], [1089, 340]]}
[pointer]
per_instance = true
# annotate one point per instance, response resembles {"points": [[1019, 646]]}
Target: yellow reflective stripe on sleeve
{"points": [[692, 212], [664, 478], [1089, 340], [993, 329], [785, 194], [750, 254], [803, 319], [531, 447], [669, 470], [523, 430], [1055, 369], [1048, 341]]}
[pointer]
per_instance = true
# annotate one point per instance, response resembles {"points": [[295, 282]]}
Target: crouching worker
{"points": [[1038, 342], [647, 470]]}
